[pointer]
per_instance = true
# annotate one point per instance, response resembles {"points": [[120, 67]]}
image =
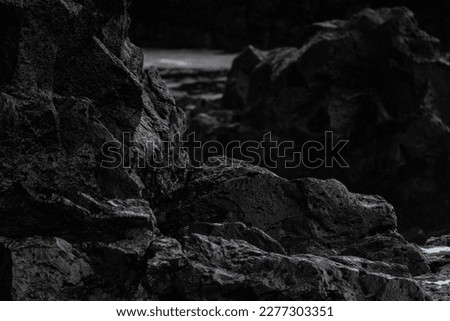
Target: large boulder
{"points": [[77, 117], [390, 248], [238, 231], [238, 81], [443, 240], [376, 81], [84, 139], [305, 215]]}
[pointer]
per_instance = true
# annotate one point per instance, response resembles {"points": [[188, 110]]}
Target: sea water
{"points": [[188, 59]]}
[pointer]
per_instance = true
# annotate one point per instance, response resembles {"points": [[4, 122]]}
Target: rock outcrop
{"points": [[70, 90], [304, 215], [73, 227], [437, 283], [71, 83], [375, 80], [443, 240], [213, 268]]}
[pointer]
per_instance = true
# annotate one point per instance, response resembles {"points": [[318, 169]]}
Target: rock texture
{"points": [[42, 269], [239, 231], [213, 268], [74, 229], [443, 240], [303, 215], [71, 90], [375, 80], [437, 283], [390, 248], [235, 96], [67, 87]]}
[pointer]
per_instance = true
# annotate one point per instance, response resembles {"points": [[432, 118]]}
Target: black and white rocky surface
{"points": [[71, 229], [376, 80]]}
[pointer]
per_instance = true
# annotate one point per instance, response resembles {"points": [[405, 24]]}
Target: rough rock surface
{"points": [[239, 231], [70, 90], [41, 269], [437, 283], [376, 80], [68, 86], [235, 96], [71, 229], [212, 268], [303, 215], [390, 248], [358, 263], [443, 240], [232, 24]]}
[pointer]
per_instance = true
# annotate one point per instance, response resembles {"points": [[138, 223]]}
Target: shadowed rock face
{"points": [[212, 268], [71, 82], [78, 84], [233, 24], [376, 80], [70, 229], [304, 215]]}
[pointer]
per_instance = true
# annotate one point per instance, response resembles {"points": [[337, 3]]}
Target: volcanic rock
{"points": [[212, 268], [85, 136], [69, 93], [443, 240], [390, 248], [302, 215], [236, 93], [41, 269], [232, 24]]}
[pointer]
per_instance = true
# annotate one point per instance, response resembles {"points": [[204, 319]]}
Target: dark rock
{"points": [[390, 248], [437, 284], [438, 256], [41, 269], [199, 93], [376, 81], [70, 87], [302, 215], [73, 228], [23, 214], [211, 268], [73, 89], [394, 269], [120, 264], [443, 240], [166, 258], [50, 268], [236, 92]]}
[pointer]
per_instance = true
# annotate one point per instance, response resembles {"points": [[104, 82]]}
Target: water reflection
{"points": [[188, 59]]}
